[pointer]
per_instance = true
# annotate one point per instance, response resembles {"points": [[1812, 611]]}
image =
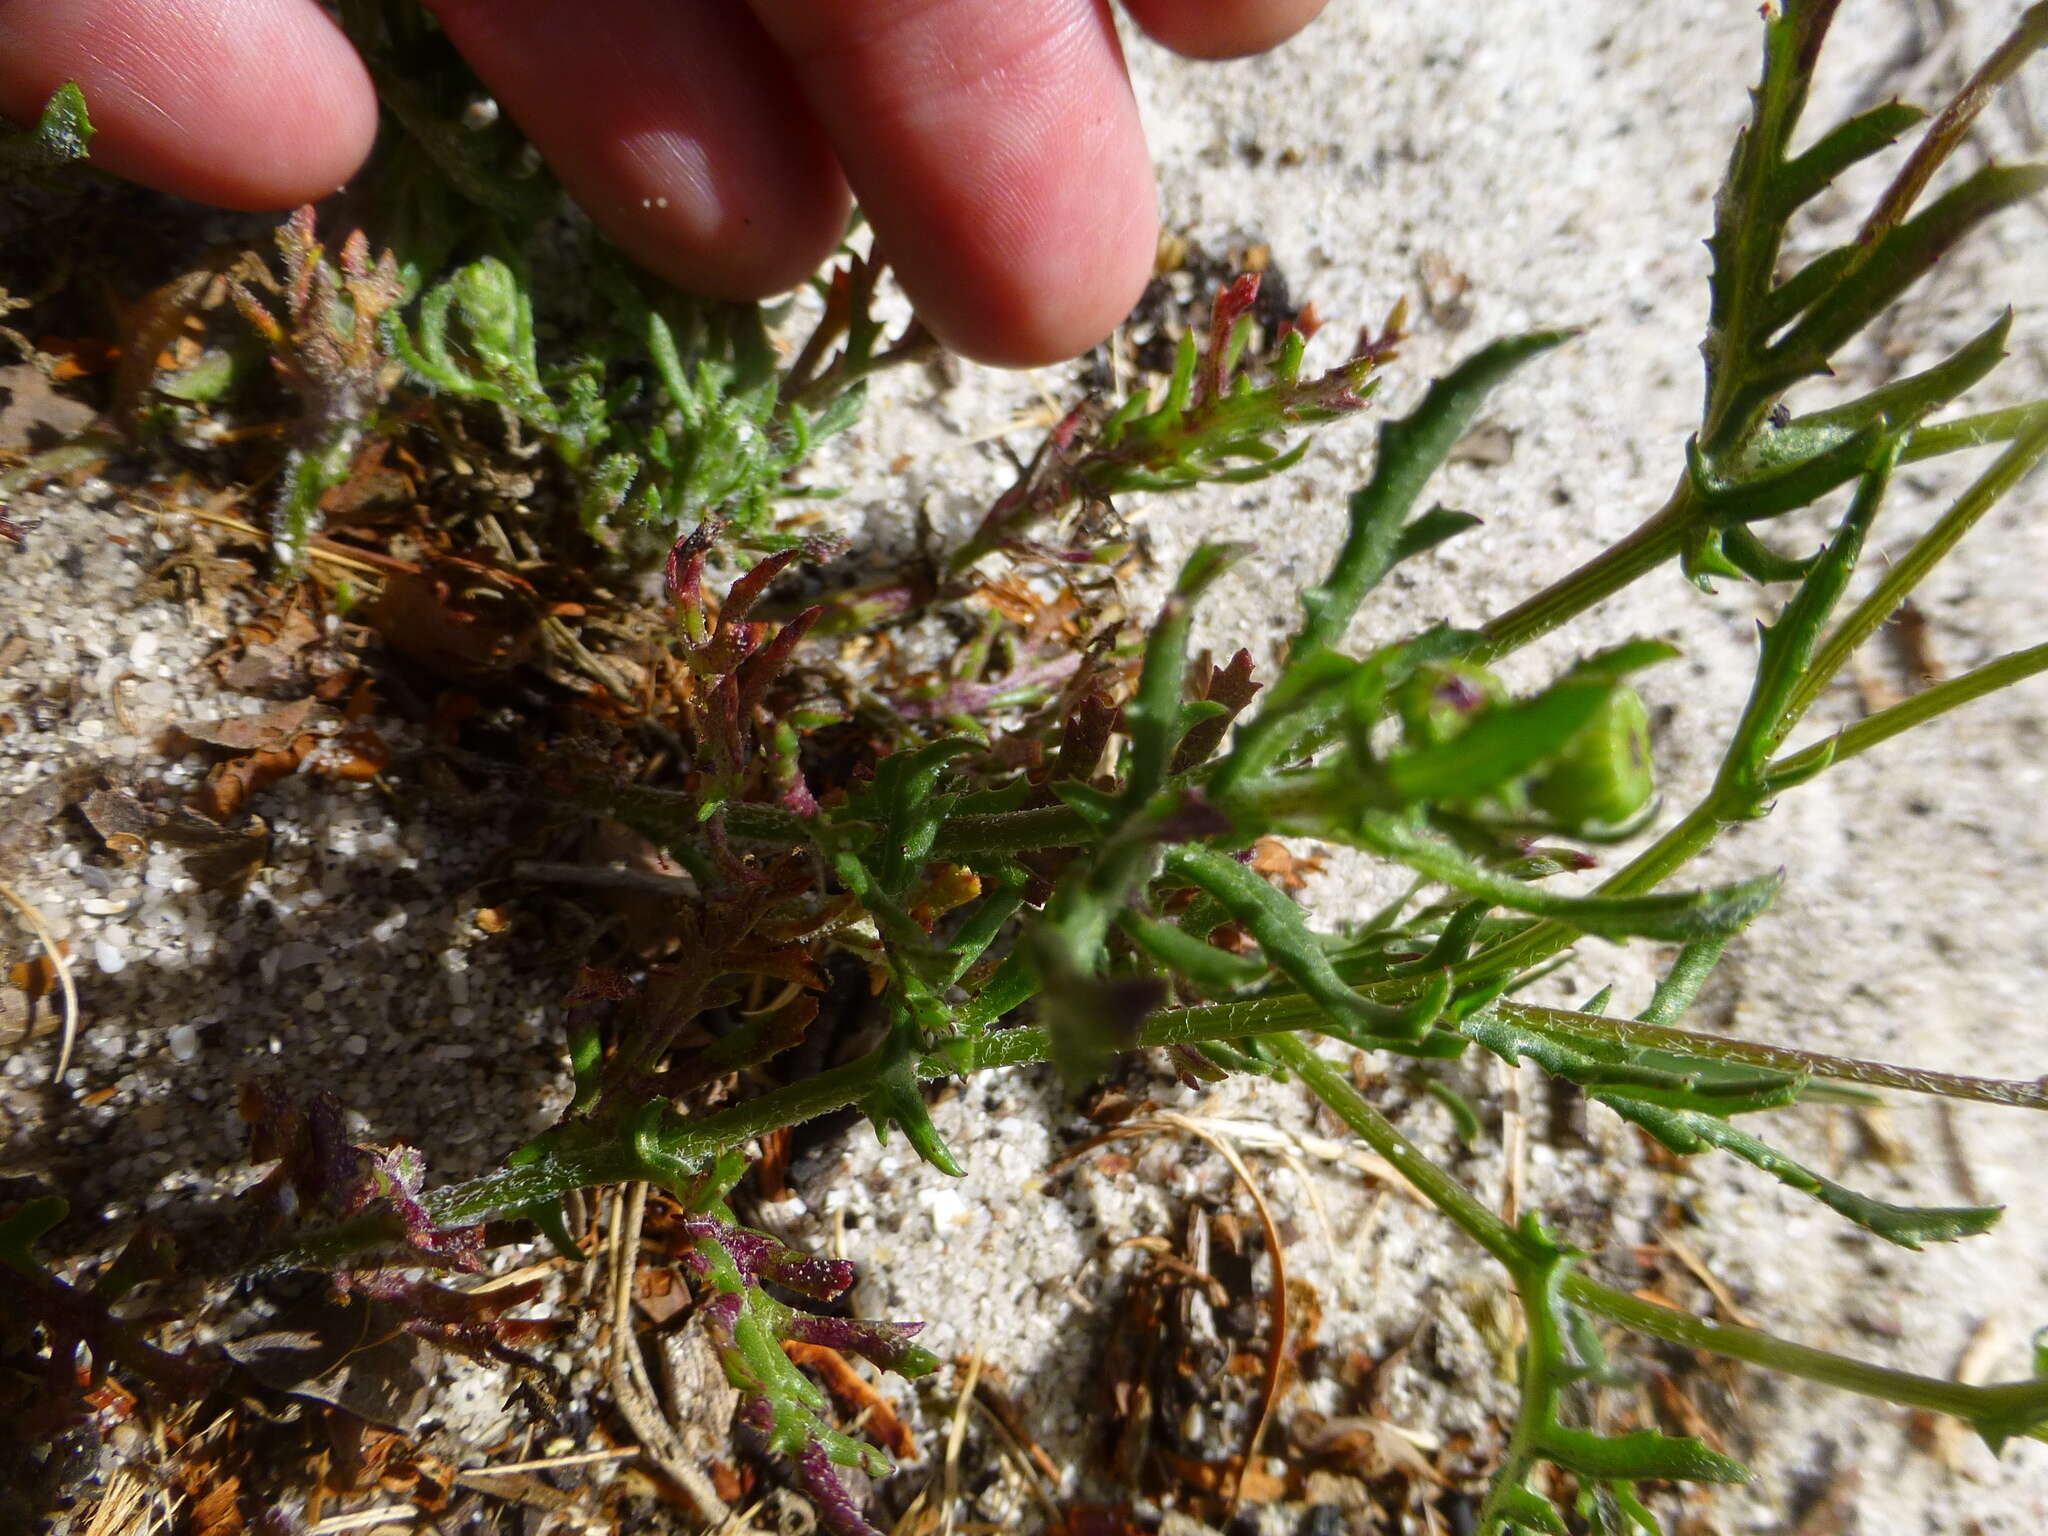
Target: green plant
{"points": [[1060, 824], [1107, 899]]}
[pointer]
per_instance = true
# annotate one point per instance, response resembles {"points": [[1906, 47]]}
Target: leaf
{"points": [[1411, 450], [1504, 743], [1787, 646], [1806, 176], [1434, 527], [1900, 258], [274, 730], [1737, 498], [1687, 1132], [63, 133], [1211, 971], [1659, 1078], [1678, 915], [1154, 719], [1277, 924], [1898, 406], [1641, 1454]]}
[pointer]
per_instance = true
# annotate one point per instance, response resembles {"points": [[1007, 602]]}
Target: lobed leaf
{"points": [[1689, 1131]]}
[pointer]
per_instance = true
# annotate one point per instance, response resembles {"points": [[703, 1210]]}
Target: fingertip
{"points": [[1042, 301], [1222, 29], [675, 125], [740, 255], [252, 104], [996, 150]]}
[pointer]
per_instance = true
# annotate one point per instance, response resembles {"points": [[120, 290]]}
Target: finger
{"points": [[995, 147], [244, 103], [1222, 29], [677, 126]]}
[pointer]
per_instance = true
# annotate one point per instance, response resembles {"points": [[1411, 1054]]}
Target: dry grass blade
{"points": [[1217, 1134], [130, 1507], [659, 1442], [955, 1437], [62, 966], [1690, 1258], [368, 1519]]}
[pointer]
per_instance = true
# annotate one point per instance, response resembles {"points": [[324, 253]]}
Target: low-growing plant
{"points": [[1039, 852]]}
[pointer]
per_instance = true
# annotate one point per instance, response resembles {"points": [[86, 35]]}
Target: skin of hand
{"points": [[994, 145]]}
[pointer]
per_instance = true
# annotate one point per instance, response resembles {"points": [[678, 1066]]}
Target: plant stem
{"points": [[580, 1154], [1656, 540], [1908, 571], [2009, 1400], [1328, 1082], [1980, 430], [2004, 1399], [1926, 705], [586, 1153], [1778, 1058]]}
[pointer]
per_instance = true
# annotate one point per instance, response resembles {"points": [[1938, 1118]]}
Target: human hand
{"points": [[994, 144]]}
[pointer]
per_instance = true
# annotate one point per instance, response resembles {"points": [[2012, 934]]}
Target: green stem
{"points": [[2006, 1402], [1328, 1082], [1657, 539], [1656, 863], [1978, 431], [2003, 1401], [1899, 718], [1777, 1058], [588, 1153], [1909, 570]]}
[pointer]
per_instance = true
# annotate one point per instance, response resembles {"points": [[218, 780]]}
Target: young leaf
{"points": [[1276, 923], [63, 133]]}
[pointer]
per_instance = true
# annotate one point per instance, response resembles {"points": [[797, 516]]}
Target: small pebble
{"points": [[184, 1042]]}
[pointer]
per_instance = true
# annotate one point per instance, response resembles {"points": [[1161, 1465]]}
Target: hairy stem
{"points": [[1620, 564], [1899, 718]]}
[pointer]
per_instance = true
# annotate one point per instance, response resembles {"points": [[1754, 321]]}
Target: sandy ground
{"points": [[1557, 160]]}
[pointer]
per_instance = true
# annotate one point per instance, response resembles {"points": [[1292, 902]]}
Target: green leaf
{"points": [[1503, 744], [1806, 176], [895, 1098], [1688, 1131], [1680, 986], [1155, 718], [1520, 1507], [1744, 554], [1678, 915], [1213, 972], [1899, 259], [62, 134], [1313, 694], [1639, 1455], [1411, 450], [1276, 923], [1746, 498], [1787, 646], [1899, 406], [1434, 527], [1660, 1078]]}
